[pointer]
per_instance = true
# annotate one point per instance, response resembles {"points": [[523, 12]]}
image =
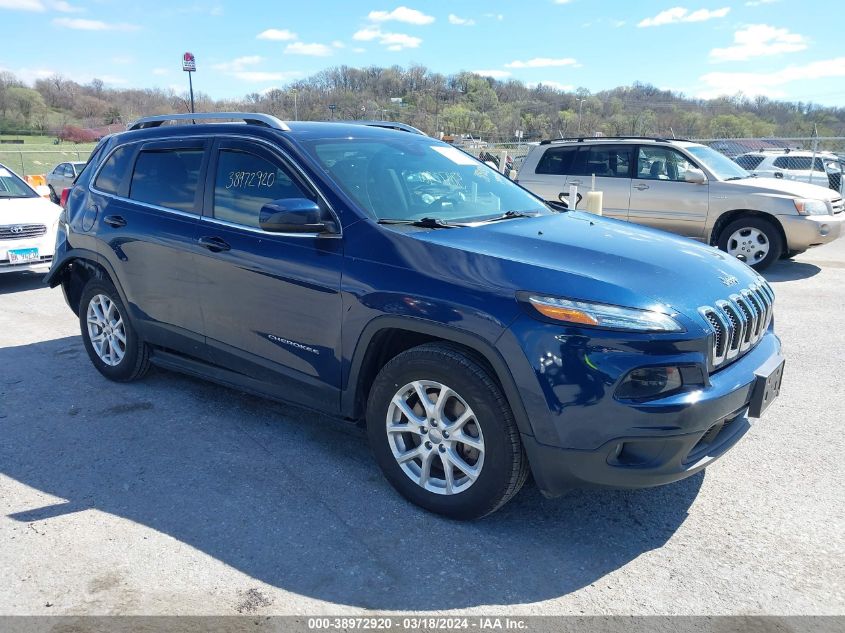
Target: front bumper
{"points": [[45, 244], [582, 436], [805, 231]]}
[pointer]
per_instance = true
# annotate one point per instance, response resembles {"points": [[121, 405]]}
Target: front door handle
{"points": [[116, 221], [641, 187], [214, 244]]}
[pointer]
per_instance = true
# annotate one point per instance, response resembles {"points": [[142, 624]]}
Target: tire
{"points": [[53, 197], [754, 240], [486, 443], [121, 361]]}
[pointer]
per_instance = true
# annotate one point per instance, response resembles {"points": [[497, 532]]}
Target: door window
{"points": [[662, 163], [60, 169], [114, 170], [607, 161], [556, 161], [167, 178], [245, 182], [749, 161]]}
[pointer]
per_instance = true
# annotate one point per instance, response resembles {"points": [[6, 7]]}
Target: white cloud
{"points": [[495, 16], [680, 14], [239, 63], [80, 24], [759, 40], [23, 5], [338, 44], [401, 14], [257, 76], [495, 74], [459, 21], [161, 71], [358, 49], [769, 84], [278, 35], [65, 7], [553, 84], [312, 50], [543, 62], [393, 41]]}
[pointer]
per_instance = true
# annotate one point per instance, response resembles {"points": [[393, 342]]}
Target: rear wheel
{"points": [[753, 240], [111, 341], [443, 433]]}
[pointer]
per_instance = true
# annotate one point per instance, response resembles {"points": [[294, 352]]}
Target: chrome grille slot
{"points": [[838, 205], [21, 231], [738, 322]]}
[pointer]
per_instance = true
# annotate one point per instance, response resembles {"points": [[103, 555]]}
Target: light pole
{"points": [[580, 105], [295, 109]]}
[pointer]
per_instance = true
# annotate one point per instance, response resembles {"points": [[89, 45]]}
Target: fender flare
{"points": [[466, 339], [55, 276]]}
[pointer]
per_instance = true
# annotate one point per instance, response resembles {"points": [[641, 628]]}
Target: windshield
{"points": [[720, 165], [409, 179], [13, 187]]}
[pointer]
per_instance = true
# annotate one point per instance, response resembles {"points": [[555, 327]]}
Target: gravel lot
{"points": [[175, 496]]}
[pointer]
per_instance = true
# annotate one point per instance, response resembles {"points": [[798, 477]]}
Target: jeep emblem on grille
{"points": [[16, 229], [729, 280]]}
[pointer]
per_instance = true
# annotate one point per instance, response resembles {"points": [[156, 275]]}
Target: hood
{"points": [[788, 187], [582, 256], [28, 211]]}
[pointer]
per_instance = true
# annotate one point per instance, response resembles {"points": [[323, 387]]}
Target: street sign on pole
{"points": [[189, 65]]}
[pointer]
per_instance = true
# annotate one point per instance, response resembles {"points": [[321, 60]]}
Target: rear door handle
{"points": [[641, 187], [115, 221], [214, 244]]}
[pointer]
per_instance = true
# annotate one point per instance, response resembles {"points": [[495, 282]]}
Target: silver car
{"points": [[63, 176], [689, 189]]}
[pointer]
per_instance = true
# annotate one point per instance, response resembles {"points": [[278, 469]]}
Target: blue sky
{"points": [[786, 49]]}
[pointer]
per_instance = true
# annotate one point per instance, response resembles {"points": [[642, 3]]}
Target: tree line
{"points": [[459, 104]]}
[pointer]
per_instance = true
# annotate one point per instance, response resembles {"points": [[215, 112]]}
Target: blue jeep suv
{"points": [[383, 276]]}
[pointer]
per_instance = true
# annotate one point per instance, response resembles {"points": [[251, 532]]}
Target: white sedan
{"points": [[28, 225]]}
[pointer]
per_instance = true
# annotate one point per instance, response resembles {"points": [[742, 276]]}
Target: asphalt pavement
{"points": [[176, 496]]}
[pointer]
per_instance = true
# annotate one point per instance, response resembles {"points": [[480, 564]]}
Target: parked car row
{"points": [[692, 190], [386, 277], [819, 168]]}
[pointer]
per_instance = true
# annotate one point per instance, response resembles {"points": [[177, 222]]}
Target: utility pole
{"points": [[295, 109]]}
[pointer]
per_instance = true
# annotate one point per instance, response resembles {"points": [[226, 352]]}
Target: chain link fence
{"points": [[29, 162]]}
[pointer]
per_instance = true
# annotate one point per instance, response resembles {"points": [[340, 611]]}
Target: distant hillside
{"points": [[463, 103]]}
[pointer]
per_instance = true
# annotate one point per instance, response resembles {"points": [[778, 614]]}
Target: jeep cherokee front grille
{"points": [[21, 231], [738, 322]]}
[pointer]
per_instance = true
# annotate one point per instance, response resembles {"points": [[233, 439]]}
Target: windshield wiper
{"points": [[426, 223], [512, 214]]}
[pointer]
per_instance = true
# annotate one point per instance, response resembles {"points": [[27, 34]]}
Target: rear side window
{"points": [[112, 173], [556, 161], [167, 178], [245, 182], [749, 162], [609, 161]]}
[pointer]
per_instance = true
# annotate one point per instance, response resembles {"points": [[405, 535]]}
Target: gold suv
{"points": [[689, 189]]}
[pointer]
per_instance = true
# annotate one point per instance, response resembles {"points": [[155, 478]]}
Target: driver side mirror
{"points": [[293, 215], [695, 176]]}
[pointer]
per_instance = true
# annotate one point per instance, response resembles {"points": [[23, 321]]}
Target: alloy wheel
{"points": [[106, 330], [749, 245]]}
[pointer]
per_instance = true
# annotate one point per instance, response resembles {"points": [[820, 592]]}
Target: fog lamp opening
{"points": [[648, 382]]}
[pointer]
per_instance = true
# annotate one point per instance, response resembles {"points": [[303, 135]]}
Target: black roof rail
{"points": [[252, 118], [581, 139], [390, 125]]}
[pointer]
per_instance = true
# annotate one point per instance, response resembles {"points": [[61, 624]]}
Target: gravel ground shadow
{"points": [[292, 498]]}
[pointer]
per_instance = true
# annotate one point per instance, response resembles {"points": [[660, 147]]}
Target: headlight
{"points": [[603, 315], [811, 207]]}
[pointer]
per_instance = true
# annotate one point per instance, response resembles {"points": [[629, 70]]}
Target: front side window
{"points": [[60, 169], [607, 161], [13, 187], [662, 163], [749, 162], [414, 178], [114, 169], [167, 178], [556, 161], [245, 182]]}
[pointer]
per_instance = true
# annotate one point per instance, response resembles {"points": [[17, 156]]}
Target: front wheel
{"points": [[443, 433], [753, 240], [111, 341]]}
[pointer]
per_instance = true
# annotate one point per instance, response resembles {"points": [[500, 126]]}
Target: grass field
{"points": [[38, 154]]}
